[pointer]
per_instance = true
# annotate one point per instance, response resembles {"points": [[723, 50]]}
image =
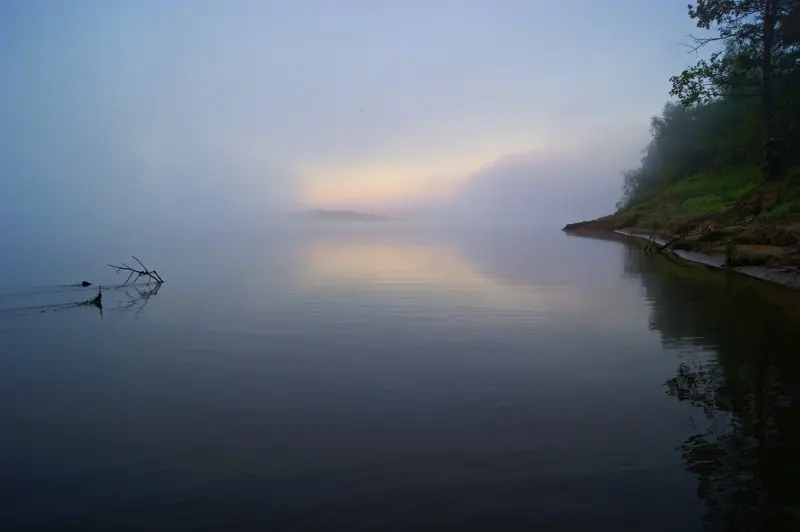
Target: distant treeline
{"points": [[737, 107]]}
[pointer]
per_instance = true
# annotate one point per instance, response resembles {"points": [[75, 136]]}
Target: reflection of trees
{"points": [[743, 374]]}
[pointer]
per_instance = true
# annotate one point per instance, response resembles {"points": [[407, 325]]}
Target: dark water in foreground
{"points": [[383, 380]]}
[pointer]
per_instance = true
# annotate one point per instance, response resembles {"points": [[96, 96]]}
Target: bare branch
{"points": [[144, 272], [140, 263], [671, 242], [701, 42]]}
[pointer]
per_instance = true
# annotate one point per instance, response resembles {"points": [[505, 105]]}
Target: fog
{"points": [[534, 188], [137, 118]]}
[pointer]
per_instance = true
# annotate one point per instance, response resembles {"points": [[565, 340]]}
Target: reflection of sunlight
{"points": [[382, 263], [438, 268]]}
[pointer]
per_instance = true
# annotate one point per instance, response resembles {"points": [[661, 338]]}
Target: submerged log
{"points": [[97, 301]]}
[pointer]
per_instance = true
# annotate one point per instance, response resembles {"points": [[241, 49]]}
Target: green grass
{"points": [[697, 196], [790, 205], [711, 195], [793, 176], [784, 209]]}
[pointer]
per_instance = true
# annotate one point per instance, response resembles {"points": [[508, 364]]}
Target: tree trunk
{"points": [[772, 150], [768, 36]]}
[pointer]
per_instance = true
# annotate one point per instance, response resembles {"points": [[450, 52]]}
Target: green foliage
{"points": [[705, 204], [715, 139], [738, 25], [728, 186], [789, 204], [716, 128], [784, 209], [793, 176], [697, 197], [747, 35]]}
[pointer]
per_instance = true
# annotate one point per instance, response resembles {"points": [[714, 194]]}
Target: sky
{"points": [[189, 111]]}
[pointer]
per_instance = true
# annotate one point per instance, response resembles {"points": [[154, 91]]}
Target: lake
{"points": [[394, 378]]}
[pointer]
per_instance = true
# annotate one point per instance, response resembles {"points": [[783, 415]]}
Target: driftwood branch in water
{"points": [[671, 242], [144, 272], [650, 240], [674, 258]]}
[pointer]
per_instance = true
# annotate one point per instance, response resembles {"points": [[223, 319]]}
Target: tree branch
{"points": [[144, 272], [671, 242]]}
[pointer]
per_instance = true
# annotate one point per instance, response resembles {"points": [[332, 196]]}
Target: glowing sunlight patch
{"points": [[369, 184], [437, 267]]}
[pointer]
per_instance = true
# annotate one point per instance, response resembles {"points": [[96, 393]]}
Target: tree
{"points": [[751, 34]]}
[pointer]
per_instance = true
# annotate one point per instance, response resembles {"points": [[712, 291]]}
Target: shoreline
{"points": [[776, 275]]}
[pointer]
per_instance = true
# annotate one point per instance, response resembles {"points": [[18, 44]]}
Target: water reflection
{"points": [[397, 268], [43, 300], [737, 341], [389, 263], [138, 296], [344, 379]]}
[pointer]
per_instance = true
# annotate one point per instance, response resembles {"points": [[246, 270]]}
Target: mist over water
{"points": [[466, 366], [194, 117]]}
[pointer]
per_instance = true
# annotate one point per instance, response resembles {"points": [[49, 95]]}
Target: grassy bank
{"points": [[728, 213]]}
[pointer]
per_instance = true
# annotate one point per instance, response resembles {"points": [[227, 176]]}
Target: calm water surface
{"points": [[393, 379]]}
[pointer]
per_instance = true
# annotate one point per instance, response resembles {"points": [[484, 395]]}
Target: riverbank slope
{"points": [[730, 217]]}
